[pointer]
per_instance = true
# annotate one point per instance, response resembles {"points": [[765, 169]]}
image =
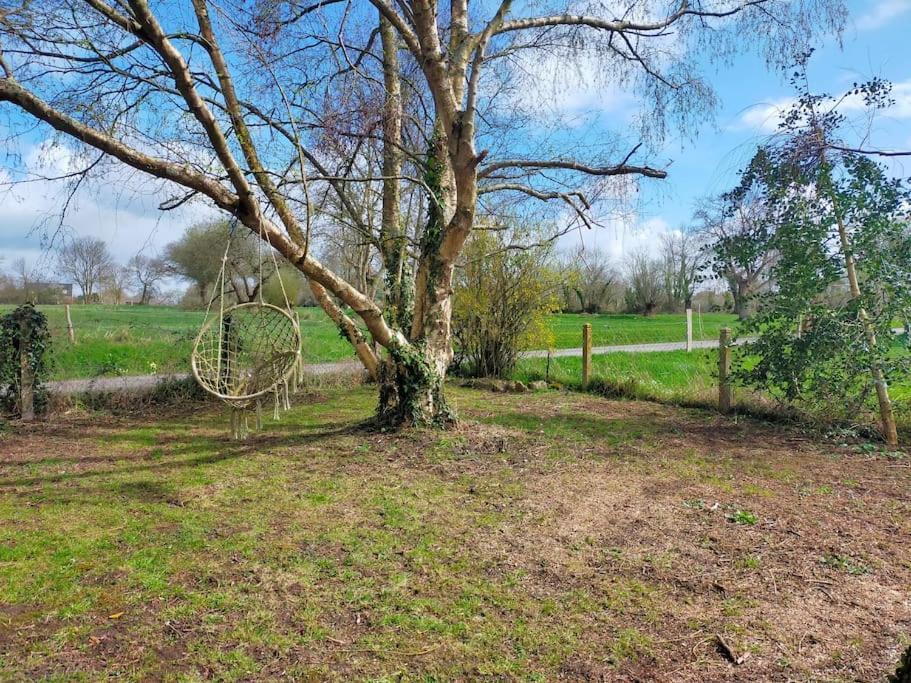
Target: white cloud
{"points": [[901, 93], [553, 84], [621, 235], [641, 237], [882, 13], [765, 117], [120, 208]]}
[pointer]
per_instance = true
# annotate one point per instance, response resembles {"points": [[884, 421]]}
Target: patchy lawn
{"points": [[552, 536]]}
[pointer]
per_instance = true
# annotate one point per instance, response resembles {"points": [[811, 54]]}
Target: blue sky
{"points": [[123, 211], [874, 44]]}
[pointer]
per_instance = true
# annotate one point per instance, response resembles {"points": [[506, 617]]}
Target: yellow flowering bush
{"points": [[502, 298]]}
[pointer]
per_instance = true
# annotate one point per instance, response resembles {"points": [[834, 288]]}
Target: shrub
{"points": [[502, 297], [290, 279], [839, 229], [36, 339]]}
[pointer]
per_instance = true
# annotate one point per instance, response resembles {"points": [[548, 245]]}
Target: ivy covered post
{"points": [[26, 377], [24, 340]]}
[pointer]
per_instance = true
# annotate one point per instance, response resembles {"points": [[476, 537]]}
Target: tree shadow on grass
{"points": [[577, 427], [699, 428], [146, 490], [215, 450]]}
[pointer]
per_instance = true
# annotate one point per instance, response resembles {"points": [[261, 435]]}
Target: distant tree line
{"points": [[676, 276], [84, 271], [720, 263]]}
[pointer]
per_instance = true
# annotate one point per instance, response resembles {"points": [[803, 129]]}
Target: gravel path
{"points": [[645, 348], [140, 382]]}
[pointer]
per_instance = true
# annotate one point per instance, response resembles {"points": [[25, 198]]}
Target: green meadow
{"points": [[138, 340]]}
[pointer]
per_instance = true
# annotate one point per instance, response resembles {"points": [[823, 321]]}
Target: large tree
{"points": [[200, 253], [839, 226], [684, 258], [226, 101], [644, 279], [590, 281], [737, 230], [145, 272], [197, 256], [86, 261]]}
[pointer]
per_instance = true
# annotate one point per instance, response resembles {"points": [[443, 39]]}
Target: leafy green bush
{"points": [[24, 327], [290, 280]]}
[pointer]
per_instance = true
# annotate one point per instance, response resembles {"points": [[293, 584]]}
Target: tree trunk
{"points": [[738, 292], [581, 297], [393, 240], [411, 388], [890, 432], [740, 308], [238, 292], [886, 414], [412, 380]]}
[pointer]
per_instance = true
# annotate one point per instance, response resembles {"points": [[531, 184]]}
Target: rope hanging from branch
{"points": [[247, 351]]}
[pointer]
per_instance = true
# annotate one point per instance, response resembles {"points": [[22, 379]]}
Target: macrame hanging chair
{"points": [[248, 352]]}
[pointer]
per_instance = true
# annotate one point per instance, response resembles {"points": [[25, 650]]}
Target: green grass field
{"points": [[663, 375], [678, 377], [556, 536], [139, 340], [619, 328]]}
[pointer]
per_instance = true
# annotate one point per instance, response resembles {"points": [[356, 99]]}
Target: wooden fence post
{"points": [[26, 377], [689, 330], [724, 370], [69, 326], [586, 355]]}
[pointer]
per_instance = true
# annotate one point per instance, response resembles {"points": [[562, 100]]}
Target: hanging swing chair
{"points": [[247, 351]]}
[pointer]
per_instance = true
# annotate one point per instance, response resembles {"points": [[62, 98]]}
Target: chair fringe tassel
{"points": [[281, 395]]}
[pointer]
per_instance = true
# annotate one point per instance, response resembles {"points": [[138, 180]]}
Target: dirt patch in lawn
{"points": [[744, 538], [550, 536]]}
